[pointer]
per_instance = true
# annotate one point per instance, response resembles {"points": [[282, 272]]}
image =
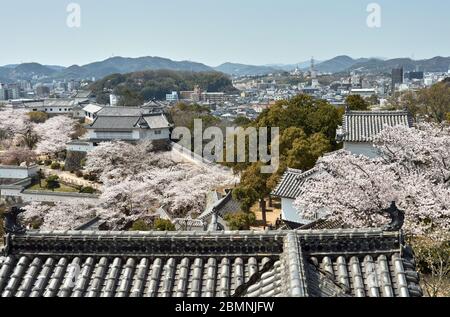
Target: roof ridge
{"points": [[294, 170], [375, 112]]}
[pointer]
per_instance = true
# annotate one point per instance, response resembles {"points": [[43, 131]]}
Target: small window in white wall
{"points": [[158, 131]]}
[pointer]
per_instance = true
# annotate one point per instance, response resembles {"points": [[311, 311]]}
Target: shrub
{"points": [[48, 162], [86, 177], [140, 225], [63, 167], [79, 174], [87, 190], [92, 178], [55, 166], [240, 221], [52, 182], [36, 223], [163, 225], [38, 116]]}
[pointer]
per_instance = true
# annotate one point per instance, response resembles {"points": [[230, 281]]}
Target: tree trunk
{"points": [[262, 204], [270, 202]]}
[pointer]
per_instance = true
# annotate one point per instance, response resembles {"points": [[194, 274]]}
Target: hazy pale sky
{"points": [[217, 31]]}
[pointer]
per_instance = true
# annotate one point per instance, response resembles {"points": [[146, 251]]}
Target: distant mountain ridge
{"points": [[123, 65], [435, 64], [98, 70], [236, 69], [338, 64]]}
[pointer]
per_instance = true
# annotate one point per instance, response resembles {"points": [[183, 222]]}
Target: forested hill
{"points": [[136, 88]]}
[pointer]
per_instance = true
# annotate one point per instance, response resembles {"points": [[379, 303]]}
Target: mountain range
{"points": [[98, 70]]}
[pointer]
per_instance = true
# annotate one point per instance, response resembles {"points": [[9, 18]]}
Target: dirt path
{"points": [[70, 178]]}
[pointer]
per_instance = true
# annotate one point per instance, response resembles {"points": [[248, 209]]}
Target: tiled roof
{"points": [[91, 108], [153, 104], [290, 185], [59, 102], [114, 123], [325, 223], [222, 206], [188, 224], [83, 94], [366, 262], [157, 121], [218, 208], [362, 126], [33, 104], [121, 111]]}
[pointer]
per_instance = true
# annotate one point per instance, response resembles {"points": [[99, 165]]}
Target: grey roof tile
{"points": [[114, 123], [291, 183], [121, 112], [92, 108], [157, 121], [362, 126], [154, 264]]}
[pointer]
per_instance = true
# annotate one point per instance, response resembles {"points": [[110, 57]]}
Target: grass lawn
{"points": [[62, 189]]}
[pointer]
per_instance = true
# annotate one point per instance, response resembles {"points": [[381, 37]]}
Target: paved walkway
{"points": [[70, 178]]}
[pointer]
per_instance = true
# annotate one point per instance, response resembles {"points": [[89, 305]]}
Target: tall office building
{"points": [[397, 77], [414, 75], [3, 94]]}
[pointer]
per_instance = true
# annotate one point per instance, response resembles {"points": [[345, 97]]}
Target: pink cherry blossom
{"points": [[413, 171]]}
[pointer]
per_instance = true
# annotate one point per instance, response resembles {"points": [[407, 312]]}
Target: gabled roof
{"points": [[153, 104], [290, 185], [362, 126], [222, 206], [156, 121], [91, 108], [366, 262]]}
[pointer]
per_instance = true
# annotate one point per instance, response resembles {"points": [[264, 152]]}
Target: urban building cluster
{"points": [[39, 88], [305, 257]]}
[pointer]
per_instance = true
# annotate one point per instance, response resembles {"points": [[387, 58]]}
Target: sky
{"points": [[254, 32]]}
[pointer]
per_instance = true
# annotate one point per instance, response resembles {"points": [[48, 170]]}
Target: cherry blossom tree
{"points": [[137, 180], [59, 216], [16, 129], [12, 122], [413, 170], [17, 156], [54, 134]]}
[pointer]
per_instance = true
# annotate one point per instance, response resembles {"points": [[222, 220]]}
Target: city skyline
{"points": [[257, 33]]}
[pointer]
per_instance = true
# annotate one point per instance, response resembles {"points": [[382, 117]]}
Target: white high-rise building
{"points": [[113, 100]]}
